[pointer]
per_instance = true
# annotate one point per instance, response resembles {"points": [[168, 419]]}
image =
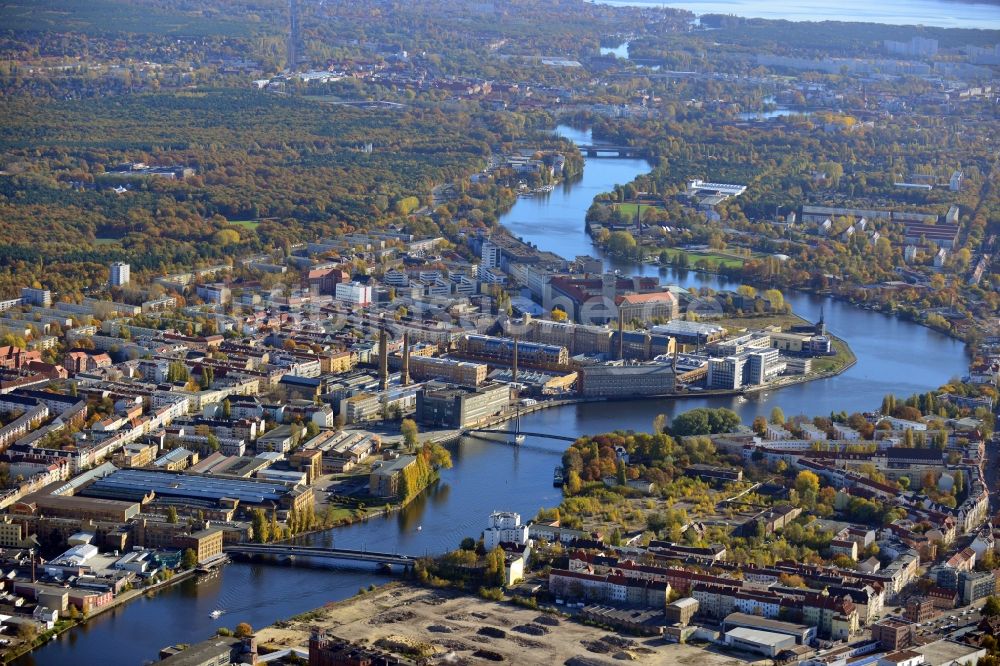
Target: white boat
{"points": [[216, 614]]}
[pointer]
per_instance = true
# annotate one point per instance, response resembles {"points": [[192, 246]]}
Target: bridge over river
{"points": [[602, 150], [342, 554], [547, 435]]}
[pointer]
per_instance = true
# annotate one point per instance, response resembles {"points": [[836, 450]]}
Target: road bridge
{"points": [[611, 151], [343, 554]]}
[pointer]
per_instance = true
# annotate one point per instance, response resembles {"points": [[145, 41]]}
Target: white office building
{"points": [[726, 373], [763, 366], [504, 527], [354, 293]]}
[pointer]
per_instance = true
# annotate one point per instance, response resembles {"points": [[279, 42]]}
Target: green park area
{"points": [[246, 224], [693, 257], [840, 361], [631, 208]]}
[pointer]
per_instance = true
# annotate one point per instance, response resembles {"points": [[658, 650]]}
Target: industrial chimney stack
{"points": [[404, 377], [383, 359], [621, 337]]}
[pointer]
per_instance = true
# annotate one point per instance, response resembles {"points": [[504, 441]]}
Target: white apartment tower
{"points": [[491, 254], [121, 273]]}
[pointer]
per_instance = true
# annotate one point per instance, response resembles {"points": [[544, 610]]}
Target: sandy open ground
{"points": [[451, 628]]}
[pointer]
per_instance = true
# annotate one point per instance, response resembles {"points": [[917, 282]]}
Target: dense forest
{"points": [[296, 164]]}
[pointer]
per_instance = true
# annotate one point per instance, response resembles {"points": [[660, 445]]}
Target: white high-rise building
{"points": [[121, 273], [491, 254], [726, 373], [505, 527], [354, 293]]}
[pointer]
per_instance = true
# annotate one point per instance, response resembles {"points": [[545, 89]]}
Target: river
{"points": [[893, 356], [938, 13]]}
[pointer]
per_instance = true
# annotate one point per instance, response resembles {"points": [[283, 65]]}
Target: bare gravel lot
{"points": [[445, 627]]}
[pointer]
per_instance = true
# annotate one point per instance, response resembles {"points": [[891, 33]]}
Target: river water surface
{"points": [[939, 13], [893, 356]]}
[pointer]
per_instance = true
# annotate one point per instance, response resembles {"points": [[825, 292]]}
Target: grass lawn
{"points": [[754, 322], [693, 257], [106, 241], [627, 208], [246, 224], [630, 208], [834, 363]]}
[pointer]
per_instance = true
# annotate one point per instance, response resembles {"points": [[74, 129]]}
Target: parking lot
{"points": [[950, 624]]}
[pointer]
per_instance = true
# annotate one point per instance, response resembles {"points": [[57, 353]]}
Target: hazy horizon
{"points": [[937, 13]]}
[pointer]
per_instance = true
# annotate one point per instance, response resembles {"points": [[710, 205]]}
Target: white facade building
{"points": [[491, 254], [121, 274], [505, 527], [726, 373], [354, 293]]}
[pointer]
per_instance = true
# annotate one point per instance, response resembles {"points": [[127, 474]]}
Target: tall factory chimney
{"points": [[294, 35], [404, 377], [621, 337], [513, 374], [383, 359]]}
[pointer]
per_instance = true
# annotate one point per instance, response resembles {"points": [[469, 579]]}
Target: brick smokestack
{"points": [[383, 359], [405, 375]]}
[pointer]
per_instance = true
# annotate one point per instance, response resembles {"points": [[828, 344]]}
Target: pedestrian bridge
{"points": [[343, 554], [547, 435]]}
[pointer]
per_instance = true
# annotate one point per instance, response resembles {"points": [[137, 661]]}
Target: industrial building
{"points": [[196, 490], [656, 306], [682, 611], [68, 506], [502, 350], [450, 370], [384, 478], [460, 407], [213, 652], [206, 544], [624, 380], [633, 621], [690, 332], [802, 634], [577, 338], [767, 643]]}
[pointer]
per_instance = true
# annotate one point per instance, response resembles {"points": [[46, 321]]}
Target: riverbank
{"points": [[62, 626], [890, 312]]}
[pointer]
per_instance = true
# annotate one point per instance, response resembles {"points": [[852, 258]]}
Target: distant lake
{"points": [[940, 13]]}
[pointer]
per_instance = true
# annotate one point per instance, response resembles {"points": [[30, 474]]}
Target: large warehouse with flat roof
{"points": [[198, 490], [766, 643]]}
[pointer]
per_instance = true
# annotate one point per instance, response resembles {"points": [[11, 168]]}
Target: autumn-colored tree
{"points": [[408, 428]]}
